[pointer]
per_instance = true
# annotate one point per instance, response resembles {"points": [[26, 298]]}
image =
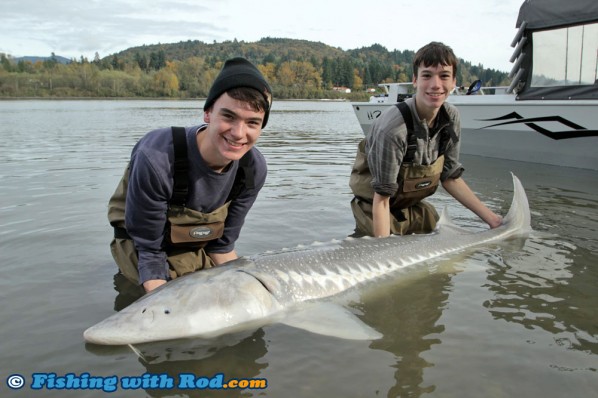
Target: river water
{"points": [[514, 319]]}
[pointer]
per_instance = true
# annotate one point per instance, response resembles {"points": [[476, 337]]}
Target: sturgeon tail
{"points": [[518, 216]]}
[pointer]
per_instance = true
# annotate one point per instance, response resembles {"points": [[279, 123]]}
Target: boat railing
{"points": [[397, 92], [489, 90]]}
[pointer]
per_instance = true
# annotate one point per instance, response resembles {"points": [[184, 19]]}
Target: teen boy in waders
{"points": [[186, 191], [410, 149]]}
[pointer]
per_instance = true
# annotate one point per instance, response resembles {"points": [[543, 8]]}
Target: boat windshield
{"points": [[565, 57]]}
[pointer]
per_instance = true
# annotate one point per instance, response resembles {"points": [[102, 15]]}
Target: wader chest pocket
{"points": [[190, 234], [421, 183]]}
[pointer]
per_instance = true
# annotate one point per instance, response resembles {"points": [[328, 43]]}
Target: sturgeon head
{"points": [[201, 304]]}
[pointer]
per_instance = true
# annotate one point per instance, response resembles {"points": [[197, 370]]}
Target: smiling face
{"points": [[233, 129], [433, 85]]}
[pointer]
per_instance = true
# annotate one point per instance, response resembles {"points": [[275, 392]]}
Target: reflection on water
{"points": [[548, 290], [512, 319], [577, 214], [409, 307], [203, 358], [244, 353]]}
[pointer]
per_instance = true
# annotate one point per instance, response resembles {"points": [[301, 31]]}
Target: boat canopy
{"points": [[556, 50], [545, 14]]}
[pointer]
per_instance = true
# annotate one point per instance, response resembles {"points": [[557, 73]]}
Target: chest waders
{"points": [[409, 212], [187, 230]]}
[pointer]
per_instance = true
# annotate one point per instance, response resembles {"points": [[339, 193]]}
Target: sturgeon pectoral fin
{"points": [[330, 319]]}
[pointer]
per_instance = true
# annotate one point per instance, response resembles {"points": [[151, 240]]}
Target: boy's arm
{"points": [[381, 215], [459, 189]]}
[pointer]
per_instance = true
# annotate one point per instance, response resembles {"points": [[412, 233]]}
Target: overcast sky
{"points": [[479, 31]]}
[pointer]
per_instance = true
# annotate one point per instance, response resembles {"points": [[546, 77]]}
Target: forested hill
{"points": [[295, 69]]}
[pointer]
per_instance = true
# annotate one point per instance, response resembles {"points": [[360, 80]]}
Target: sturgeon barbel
{"points": [[291, 286]]}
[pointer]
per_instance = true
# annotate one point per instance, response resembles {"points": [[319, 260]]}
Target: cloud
{"points": [[478, 30], [105, 26]]}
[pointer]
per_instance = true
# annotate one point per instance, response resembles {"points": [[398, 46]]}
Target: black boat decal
{"points": [[576, 132]]}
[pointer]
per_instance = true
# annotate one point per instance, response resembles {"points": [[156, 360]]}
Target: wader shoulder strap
{"points": [[411, 140], [406, 112], [180, 188], [181, 167], [448, 134], [244, 178]]}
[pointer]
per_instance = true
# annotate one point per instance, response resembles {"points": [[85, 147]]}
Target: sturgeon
{"points": [[291, 286]]}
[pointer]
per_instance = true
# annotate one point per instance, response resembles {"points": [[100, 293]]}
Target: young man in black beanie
{"points": [[183, 199]]}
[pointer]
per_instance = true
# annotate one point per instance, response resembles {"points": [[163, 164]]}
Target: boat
{"points": [[549, 112]]}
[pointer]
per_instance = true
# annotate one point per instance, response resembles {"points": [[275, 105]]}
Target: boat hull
{"points": [[563, 133]]}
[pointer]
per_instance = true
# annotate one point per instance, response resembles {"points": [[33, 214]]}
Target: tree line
{"points": [[296, 69]]}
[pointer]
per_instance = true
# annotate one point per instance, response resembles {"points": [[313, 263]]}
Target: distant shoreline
{"points": [[155, 99]]}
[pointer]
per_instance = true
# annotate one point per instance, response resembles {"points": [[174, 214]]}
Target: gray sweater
{"points": [[150, 189]]}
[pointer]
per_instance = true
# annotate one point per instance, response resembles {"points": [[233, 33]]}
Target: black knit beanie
{"points": [[238, 72]]}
